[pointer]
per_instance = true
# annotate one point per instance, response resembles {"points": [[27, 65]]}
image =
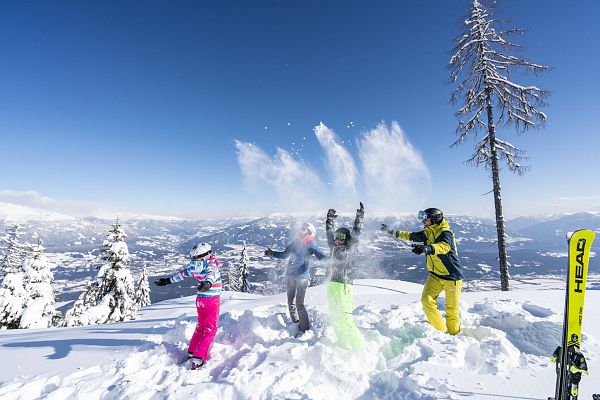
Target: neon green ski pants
{"points": [[341, 306]]}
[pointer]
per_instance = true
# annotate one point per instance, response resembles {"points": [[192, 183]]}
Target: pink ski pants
{"points": [[208, 321]]}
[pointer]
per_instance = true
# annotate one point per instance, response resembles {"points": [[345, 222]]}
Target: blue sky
{"points": [[138, 106]]}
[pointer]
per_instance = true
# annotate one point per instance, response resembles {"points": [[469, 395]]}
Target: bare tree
{"points": [[480, 70]]}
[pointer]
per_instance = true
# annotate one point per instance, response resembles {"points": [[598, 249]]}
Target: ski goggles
{"points": [[340, 236], [422, 215]]}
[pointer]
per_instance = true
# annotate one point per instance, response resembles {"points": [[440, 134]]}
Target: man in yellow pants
{"points": [[445, 272]]}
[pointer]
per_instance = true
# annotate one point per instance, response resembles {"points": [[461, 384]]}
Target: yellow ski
{"points": [[579, 257], [570, 362]]}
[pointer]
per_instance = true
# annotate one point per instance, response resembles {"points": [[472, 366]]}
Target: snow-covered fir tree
{"points": [[244, 272], [142, 292], [13, 296], [482, 69], [115, 234], [78, 315], [233, 278], [112, 294], [40, 310], [15, 250]]}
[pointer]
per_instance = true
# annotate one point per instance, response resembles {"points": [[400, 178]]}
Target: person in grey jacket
{"points": [[298, 272], [343, 244]]}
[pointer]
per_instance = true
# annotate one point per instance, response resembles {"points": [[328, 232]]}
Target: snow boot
{"points": [[197, 362]]}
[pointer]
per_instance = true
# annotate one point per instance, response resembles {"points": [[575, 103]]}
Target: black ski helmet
{"points": [[343, 234], [435, 215]]}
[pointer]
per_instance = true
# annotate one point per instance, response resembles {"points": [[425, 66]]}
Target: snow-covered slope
{"points": [[502, 352]]}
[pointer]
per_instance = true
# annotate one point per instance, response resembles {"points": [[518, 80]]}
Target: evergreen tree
{"points": [[233, 278], [40, 310], [111, 297], [481, 68], [78, 315], [244, 272], [115, 234], [142, 293], [13, 296]]}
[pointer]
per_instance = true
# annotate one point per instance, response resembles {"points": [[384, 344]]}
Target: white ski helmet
{"points": [[200, 250], [310, 228]]}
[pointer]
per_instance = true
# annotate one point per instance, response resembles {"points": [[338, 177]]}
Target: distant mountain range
{"points": [[536, 246]]}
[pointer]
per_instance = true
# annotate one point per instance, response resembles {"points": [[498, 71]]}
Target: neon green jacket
{"points": [[444, 262]]}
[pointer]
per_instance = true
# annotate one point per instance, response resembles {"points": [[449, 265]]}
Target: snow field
{"points": [[503, 351]]}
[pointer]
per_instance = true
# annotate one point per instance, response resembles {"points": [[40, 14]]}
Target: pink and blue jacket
{"points": [[204, 270]]}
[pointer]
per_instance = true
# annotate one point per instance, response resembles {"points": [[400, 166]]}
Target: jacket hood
{"points": [[442, 226]]}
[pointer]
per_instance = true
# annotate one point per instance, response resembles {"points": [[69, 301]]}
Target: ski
{"points": [[570, 362]]}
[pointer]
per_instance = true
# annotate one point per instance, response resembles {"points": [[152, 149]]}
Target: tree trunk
{"points": [[502, 259]]}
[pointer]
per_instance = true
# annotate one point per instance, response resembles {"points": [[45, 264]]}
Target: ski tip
{"points": [[586, 232], [569, 234]]}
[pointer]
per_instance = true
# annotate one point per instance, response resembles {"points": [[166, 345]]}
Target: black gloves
{"points": [[331, 213], [268, 252], [204, 286], [163, 281], [421, 248], [385, 228]]}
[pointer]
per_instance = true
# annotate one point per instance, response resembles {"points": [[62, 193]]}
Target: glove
{"points": [[385, 228], [421, 248], [331, 213], [162, 282], [360, 212], [268, 252], [204, 286]]}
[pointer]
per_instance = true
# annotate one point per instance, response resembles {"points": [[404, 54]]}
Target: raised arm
{"points": [[330, 227], [358, 220]]}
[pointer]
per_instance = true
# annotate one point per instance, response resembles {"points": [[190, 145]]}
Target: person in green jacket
{"points": [[342, 269], [445, 271]]}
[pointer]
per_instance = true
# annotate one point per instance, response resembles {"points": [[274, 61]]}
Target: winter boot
{"points": [[197, 362]]}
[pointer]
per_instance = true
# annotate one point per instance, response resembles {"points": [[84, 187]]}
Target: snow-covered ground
{"points": [[503, 351]]}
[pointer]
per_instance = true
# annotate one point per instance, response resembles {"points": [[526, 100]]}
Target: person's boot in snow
{"points": [[197, 362]]}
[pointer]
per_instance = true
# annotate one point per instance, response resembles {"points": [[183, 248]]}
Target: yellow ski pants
{"points": [[433, 287]]}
